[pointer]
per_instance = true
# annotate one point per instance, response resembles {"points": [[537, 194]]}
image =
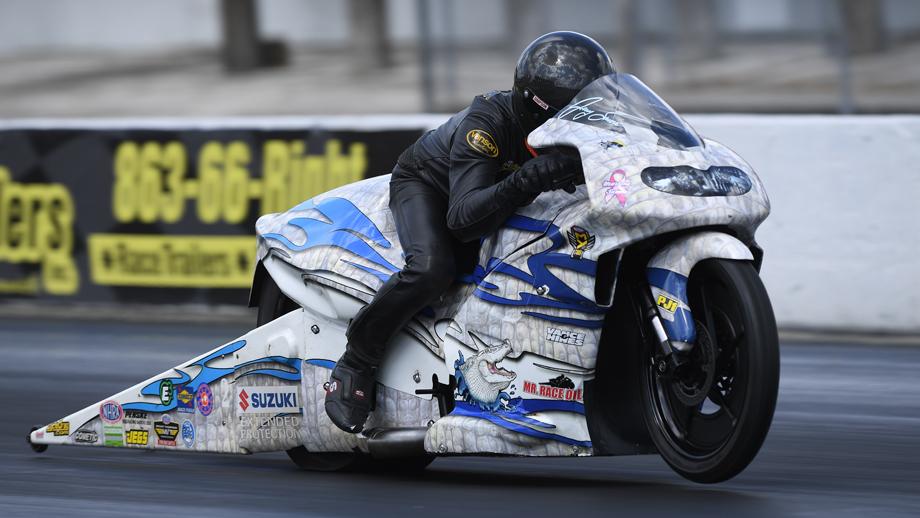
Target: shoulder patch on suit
{"points": [[481, 141]]}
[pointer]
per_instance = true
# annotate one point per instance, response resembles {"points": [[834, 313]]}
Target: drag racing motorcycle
{"points": [[627, 318]]}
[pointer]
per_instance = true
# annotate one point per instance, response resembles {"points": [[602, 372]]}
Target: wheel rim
{"points": [[697, 424]]}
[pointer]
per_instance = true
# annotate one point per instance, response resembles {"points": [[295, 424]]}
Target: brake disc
{"points": [[692, 383]]}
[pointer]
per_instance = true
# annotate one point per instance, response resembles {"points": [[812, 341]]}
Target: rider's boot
{"points": [[351, 393]]}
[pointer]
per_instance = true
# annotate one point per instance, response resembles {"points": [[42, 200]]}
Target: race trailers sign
{"points": [[162, 214]]}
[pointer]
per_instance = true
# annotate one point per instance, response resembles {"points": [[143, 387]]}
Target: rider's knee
{"points": [[435, 270]]}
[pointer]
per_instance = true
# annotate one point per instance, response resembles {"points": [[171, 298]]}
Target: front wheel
{"points": [[709, 418]]}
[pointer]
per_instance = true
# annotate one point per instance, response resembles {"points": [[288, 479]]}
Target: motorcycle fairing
{"points": [[533, 281]]}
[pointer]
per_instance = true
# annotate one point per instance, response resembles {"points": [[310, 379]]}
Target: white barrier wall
{"points": [[843, 240], [842, 245]]}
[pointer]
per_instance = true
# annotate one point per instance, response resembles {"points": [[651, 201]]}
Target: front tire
{"points": [[709, 419]]}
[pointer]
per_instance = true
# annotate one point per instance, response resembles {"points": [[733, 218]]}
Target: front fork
{"points": [[669, 309], [673, 352], [666, 304]]}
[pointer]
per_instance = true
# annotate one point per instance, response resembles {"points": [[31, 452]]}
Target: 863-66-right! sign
{"points": [[161, 215]]}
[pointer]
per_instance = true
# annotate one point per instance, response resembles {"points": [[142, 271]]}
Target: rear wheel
{"points": [[273, 304], [709, 418]]}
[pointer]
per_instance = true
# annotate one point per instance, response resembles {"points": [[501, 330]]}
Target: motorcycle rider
{"points": [[456, 184]]}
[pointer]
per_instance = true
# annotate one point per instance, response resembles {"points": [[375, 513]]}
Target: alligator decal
{"points": [[480, 380]]}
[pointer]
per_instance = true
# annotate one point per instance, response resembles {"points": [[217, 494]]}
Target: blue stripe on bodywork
{"points": [[563, 296], [501, 418], [326, 364], [208, 374], [681, 328], [348, 228], [578, 322]]}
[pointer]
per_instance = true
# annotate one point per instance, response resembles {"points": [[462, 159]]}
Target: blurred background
{"points": [[817, 95], [296, 57], [140, 140]]}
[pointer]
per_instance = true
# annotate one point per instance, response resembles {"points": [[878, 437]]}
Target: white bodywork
{"points": [[524, 330]]}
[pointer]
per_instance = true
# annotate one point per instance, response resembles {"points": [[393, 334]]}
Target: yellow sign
{"points": [[172, 261], [151, 183], [36, 226]]}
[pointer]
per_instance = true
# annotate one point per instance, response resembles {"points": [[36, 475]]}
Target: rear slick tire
{"points": [[274, 304], [713, 439]]}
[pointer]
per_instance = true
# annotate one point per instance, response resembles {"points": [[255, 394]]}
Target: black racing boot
{"points": [[350, 393]]}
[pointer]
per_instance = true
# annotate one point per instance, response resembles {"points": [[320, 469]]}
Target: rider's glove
{"points": [[548, 173]]}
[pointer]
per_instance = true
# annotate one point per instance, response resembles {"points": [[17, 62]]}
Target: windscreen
{"points": [[617, 101]]}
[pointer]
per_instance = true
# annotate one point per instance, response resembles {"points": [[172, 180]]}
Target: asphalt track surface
{"points": [[845, 442]]}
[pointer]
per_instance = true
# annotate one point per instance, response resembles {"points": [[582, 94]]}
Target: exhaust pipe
{"points": [[393, 443]]}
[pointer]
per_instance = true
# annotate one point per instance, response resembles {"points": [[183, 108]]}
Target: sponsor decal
{"points": [[581, 241], [114, 434], [59, 428], [86, 437], [540, 102], [188, 433], [481, 380], [111, 412], [616, 186], [166, 431], [40, 435], [166, 392], [564, 336], [185, 400], [136, 437], [560, 387], [268, 400], [204, 399], [265, 428], [611, 144], [135, 417], [481, 141], [667, 303]]}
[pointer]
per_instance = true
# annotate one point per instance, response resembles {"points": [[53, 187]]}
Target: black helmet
{"points": [[551, 71]]}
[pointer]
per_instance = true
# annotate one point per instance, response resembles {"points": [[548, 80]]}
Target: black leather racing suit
{"points": [[446, 190]]}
